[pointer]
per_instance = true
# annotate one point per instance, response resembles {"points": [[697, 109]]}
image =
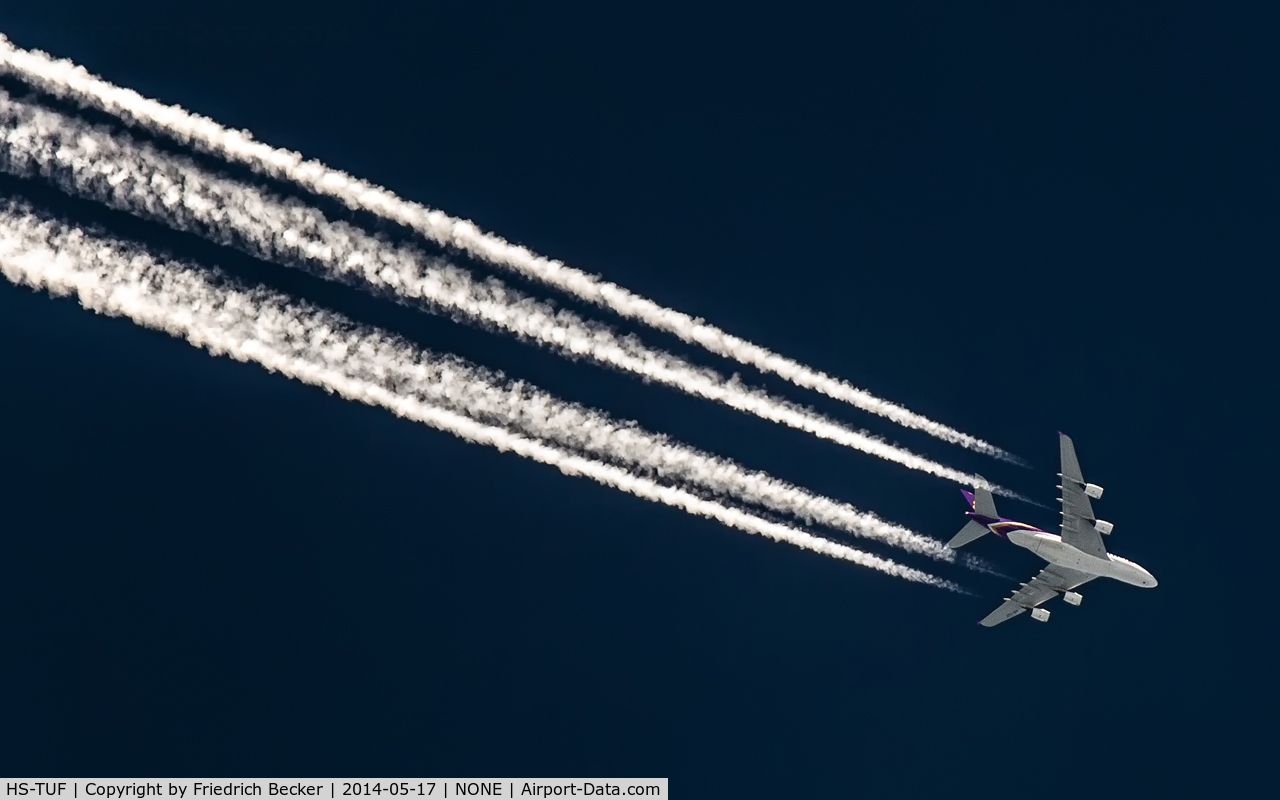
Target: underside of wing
{"points": [[1007, 611], [1077, 512], [1052, 580]]}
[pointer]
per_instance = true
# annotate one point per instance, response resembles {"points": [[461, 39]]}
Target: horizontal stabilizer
{"points": [[967, 534]]}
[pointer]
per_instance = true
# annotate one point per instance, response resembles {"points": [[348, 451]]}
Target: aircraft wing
{"points": [[1052, 580], [1077, 512]]}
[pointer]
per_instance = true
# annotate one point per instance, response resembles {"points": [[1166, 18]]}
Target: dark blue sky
{"points": [[1014, 220]]}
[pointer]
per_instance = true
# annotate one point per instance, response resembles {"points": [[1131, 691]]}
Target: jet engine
{"points": [[1093, 490], [1103, 527], [1073, 598], [1040, 614]]}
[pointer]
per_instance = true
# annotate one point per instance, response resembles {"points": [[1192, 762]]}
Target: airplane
{"points": [[1075, 557]]}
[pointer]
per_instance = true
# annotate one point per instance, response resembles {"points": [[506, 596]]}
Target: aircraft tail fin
{"points": [[984, 505]]}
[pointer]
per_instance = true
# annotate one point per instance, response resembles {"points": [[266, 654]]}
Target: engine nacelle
{"points": [[1073, 598], [1040, 614], [1103, 527], [1093, 490]]}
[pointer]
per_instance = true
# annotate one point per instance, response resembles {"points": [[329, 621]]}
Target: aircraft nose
{"points": [[1150, 581]]}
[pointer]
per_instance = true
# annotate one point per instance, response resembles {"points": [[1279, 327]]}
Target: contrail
{"points": [[978, 564], [479, 394], [92, 162], [318, 348], [65, 80]]}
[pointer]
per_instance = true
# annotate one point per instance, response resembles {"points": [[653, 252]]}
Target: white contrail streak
{"points": [[66, 80], [92, 162], [317, 348], [481, 395]]}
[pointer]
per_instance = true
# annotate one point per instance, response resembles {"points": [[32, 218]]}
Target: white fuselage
{"points": [[1051, 548]]}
